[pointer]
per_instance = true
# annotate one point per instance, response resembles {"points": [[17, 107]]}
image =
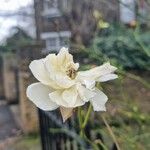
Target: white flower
{"points": [[60, 85]]}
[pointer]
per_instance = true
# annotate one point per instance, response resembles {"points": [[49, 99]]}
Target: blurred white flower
{"points": [[60, 85]]}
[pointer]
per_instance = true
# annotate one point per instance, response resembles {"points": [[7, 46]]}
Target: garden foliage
{"points": [[129, 48]]}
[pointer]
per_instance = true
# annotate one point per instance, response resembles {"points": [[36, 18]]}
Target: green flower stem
{"points": [[79, 116], [80, 121], [87, 116], [83, 123], [111, 132], [101, 144], [95, 147]]}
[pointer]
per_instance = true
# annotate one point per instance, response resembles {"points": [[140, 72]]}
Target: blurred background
{"points": [[95, 31]]}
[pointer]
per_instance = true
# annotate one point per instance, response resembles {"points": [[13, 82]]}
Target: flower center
{"points": [[71, 73]]}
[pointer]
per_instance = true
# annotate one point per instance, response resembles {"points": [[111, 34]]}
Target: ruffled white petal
{"points": [[68, 98], [79, 102], [39, 95], [64, 57], [56, 97], [38, 69], [99, 100], [89, 84], [95, 73], [84, 93], [63, 80], [56, 69], [51, 64], [107, 77]]}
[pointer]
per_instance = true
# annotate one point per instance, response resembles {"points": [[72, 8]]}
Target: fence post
{"points": [[28, 111]]}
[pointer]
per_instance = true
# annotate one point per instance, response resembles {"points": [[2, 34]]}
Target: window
{"points": [[65, 5], [55, 40], [127, 11], [51, 43], [50, 4], [51, 8], [64, 41]]}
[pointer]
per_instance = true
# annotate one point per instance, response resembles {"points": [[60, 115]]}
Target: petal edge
{"points": [[99, 101], [38, 94]]}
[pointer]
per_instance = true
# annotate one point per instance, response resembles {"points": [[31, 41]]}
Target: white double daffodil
{"points": [[60, 85]]}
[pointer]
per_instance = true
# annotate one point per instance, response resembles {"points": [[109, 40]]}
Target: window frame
{"points": [[58, 36], [51, 11]]}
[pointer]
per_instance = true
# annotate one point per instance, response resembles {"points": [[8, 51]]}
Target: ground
{"points": [[11, 137], [8, 127], [26, 143]]}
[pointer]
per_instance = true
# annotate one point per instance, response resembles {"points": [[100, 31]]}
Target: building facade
{"points": [[51, 27], [58, 21]]}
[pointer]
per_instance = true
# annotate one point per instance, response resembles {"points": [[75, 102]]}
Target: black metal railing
{"points": [[56, 135]]}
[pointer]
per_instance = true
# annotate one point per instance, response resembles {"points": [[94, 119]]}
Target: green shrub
{"points": [[126, 47]]}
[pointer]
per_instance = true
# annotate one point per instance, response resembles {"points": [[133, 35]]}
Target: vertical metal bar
{"points": [[17, 84], [41, 129], [46, 123]]}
